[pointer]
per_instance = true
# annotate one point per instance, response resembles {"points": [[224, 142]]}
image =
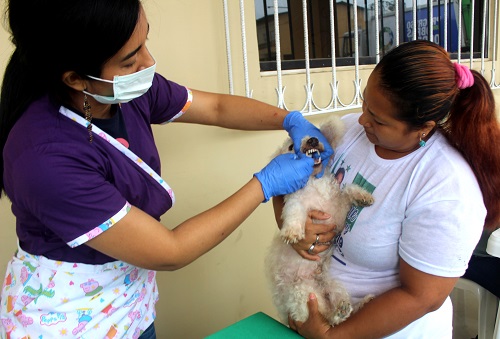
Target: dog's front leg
{"points": [[358, 195], [294, 217]]}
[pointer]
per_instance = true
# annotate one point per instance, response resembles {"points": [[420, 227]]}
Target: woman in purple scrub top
{"points": [[81, 169]]}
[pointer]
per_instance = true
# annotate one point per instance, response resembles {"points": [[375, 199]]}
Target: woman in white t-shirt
{"points": [[427, 146]]}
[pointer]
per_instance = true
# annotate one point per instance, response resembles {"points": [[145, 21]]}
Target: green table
{"points": [[256, 326]]}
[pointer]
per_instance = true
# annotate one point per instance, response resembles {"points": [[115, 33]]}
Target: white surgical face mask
{"points": [[126, 87]]}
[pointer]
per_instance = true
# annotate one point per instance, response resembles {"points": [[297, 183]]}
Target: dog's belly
{"points": [[293, 278], [288, 265]]}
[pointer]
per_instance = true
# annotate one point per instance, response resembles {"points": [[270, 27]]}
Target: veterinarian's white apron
{"points": [[45, 299], [92, 301]]}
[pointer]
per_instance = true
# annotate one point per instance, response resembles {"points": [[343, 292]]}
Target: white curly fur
{"points": [[293, 278]]}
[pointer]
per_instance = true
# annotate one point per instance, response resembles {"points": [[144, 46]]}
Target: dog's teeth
{"points": [[311, 152]]}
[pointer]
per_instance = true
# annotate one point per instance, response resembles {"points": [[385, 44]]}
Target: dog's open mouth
{"points": [[315, 154]]}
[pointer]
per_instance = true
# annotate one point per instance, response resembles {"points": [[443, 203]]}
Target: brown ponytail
{"points": [[473, 128], [420, 77]]}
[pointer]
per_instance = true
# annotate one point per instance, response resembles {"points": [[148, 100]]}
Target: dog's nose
{"points": [[313, 142]]}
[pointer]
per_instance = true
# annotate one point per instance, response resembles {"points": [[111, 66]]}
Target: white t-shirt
{"points": [[428, 210]]}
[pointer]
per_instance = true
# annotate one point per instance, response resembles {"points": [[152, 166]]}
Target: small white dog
{"points": [[293, 278]]}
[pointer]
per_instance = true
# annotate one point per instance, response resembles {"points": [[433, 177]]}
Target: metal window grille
{"points": [[289, 38]]}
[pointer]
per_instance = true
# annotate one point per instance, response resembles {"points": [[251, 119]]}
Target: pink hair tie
{"points": [[463, 76]]}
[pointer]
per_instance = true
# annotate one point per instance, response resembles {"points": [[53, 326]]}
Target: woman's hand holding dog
{"points": [[318, 237], [315, 324], [319, 234]]}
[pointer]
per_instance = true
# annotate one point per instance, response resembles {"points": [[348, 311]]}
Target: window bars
{"points": [[451, 23]]}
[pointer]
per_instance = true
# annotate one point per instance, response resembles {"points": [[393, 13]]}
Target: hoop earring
{"points": [[88, 116], [422, 142]]}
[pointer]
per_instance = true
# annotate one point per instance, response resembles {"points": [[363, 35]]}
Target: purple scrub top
{"points": [[62, 186]]}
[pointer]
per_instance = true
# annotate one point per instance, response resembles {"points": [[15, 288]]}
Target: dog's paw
{"points": [[367, 200], [344, 309], [291, 239], [362, 197], [358, 195], [291, 235], [342, 312]]}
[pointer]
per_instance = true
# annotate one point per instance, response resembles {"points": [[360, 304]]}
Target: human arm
{"points": [[418, 294], [141, 240], [237, 112], [326, 232], [232, 111]]}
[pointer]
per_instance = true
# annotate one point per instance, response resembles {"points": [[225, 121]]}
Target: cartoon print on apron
{"points": [[43, 298], [47, 298]]}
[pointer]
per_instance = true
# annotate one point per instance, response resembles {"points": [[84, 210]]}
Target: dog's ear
{"points": [[286, 147], [333, 130]]}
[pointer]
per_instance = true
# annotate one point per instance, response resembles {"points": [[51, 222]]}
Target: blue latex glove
{"points": [[298, 127], [285, 174]]}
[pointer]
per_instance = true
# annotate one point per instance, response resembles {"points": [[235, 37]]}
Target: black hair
{"points": [[51, 37]]}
